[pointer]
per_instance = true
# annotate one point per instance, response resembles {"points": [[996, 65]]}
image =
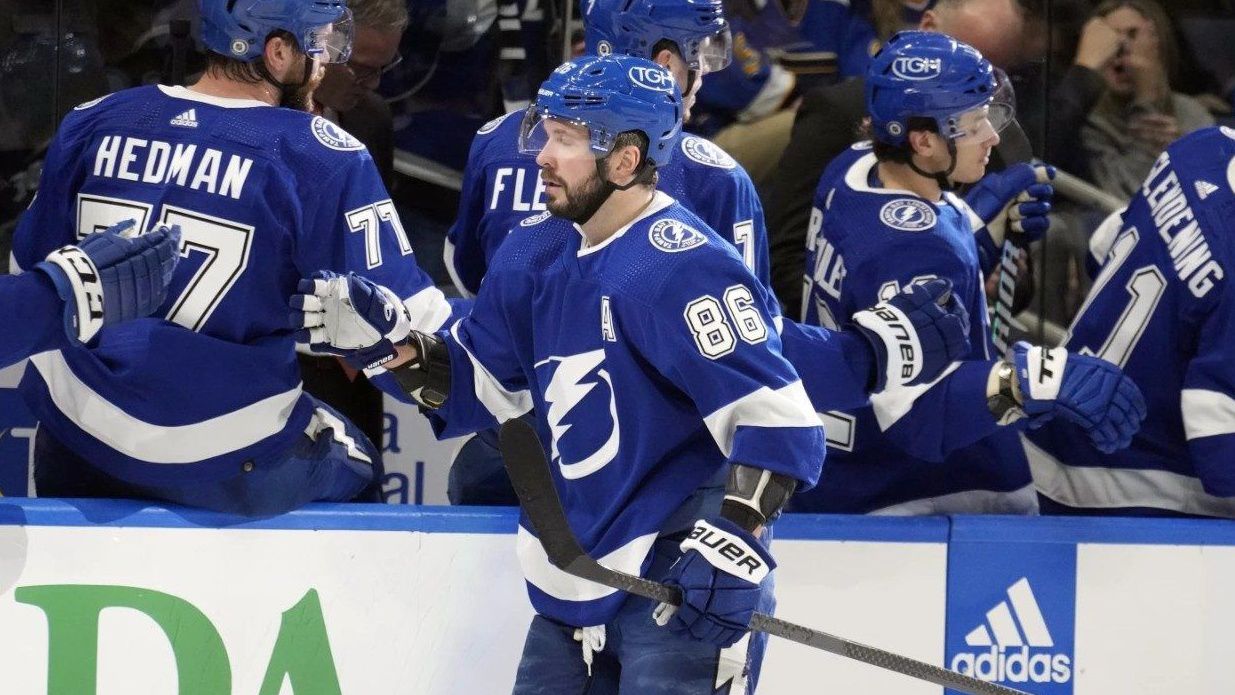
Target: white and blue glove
{"points": [[111, 276], [1088, 391], [1017, 200], [349, 316], [719, 574], [915, 334]]}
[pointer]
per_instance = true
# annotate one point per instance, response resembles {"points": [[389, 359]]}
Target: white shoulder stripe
{"points": [[566, 587], [1207, 413], [108, 423], [502, 404], [787, 406]]}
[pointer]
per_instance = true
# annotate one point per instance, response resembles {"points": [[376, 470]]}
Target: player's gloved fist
{"points": [[349, 316], [112, 276], [1017, 199], [719, 574], [1088, 391], [915, 334]]}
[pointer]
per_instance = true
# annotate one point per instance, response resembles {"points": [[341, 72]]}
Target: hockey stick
{"points": [[1013, 147], [533, 482]]}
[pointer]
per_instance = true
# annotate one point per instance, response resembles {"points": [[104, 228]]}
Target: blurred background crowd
{"points": [[1101, 88]]}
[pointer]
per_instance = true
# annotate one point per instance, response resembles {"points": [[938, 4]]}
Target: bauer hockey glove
{"points": [[719, 574], [1017, 200], [349, 316], [915, 334], [111, 276], [1087, 391]]}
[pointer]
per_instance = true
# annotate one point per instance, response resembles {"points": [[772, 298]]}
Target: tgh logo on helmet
{"points": [[917, 68], [651, 78]]}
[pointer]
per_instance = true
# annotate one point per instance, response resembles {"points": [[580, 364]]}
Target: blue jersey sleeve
{"points": [[1208, 401], [466, 252], [711, 334], [46, 224], [34, 314]]}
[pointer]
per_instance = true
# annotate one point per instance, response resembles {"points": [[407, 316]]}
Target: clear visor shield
{"points": [[330, 43], [713, 53], [563, 137], [982, 123]]}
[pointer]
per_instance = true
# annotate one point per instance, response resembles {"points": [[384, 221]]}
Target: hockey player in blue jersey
{"points": [[501, 188], [204, 407], [1161, 310], [884, 218], [107, 278], [647, 352]]}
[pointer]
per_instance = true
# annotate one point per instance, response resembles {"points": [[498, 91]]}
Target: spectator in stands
{"points": [[828, 120], [1137, 115]]}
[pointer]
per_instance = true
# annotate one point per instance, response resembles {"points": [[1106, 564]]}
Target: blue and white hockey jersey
{"points": [[650, 361], [1164, 311], [933, 448], [263, 196], [502, 186], [34, 315]]}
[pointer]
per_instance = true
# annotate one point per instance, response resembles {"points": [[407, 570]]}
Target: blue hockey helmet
{"points": [[632, 27], [238, 28], [930, 75], [608, 95]]}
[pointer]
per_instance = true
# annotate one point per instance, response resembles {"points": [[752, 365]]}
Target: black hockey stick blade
{"points": [[533, 482]]}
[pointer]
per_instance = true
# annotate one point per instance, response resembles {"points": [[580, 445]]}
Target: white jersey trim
{"points": [[179, 92], [787, 406], [895, 402], [1020, 501], [1207, 413], [1089, 487], [858, 178], [659, 202], [160, 444], [541, 573], [429, 308], [448, 257], [502, 404]]}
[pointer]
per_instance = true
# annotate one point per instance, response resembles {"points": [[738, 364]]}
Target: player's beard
{"points": [[579, 205], [301, 97]]}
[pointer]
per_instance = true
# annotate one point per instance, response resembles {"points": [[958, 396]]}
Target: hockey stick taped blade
{"points": [[533, 482]]}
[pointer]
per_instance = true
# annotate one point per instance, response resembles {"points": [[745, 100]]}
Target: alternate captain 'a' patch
{"points": [[707, 153], [674, 236], [333, 136]]}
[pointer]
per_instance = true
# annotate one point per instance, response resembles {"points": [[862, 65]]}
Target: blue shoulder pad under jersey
{"points": [[501, 187], [866, 243], [1163, 309], [263, 196]]}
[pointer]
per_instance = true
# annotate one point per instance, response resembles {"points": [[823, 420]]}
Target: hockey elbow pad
{"points": [[426, 378]]}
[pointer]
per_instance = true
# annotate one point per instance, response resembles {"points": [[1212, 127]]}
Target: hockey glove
{"points": [[1085, 390], [719, 574], [915, 334], [1017, 199], [112, 276], [349, 316]]}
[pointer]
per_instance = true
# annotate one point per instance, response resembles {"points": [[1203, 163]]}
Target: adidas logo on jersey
{"points": [[1204, 188], [1016, 644], [188, 119]]}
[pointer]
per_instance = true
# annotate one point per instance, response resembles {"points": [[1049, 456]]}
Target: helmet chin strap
{"points": [[941, 177], [287, 90], [609, 187]]}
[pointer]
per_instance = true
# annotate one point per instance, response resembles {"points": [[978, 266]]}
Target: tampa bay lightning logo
{"points": [[907, 215], [674, 236], [493, 124], [333, 136], [705, 152], [582, 412], [535, 219]]}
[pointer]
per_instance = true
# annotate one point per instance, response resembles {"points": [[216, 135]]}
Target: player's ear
{"points": [[624, 163], [929, 21], [663, 58], [280, 54], [923, 142]]}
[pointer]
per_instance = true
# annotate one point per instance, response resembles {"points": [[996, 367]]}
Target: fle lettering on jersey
{"points": [[579, 395], [525, 188]]}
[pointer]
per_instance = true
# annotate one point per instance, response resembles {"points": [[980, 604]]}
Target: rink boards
{"points": [[116, 597]]}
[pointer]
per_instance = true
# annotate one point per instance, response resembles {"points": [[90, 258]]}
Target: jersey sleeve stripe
{"points": [[1207, 413], [448, 257], [502, 404], [787, 406], [429, 308], [541, 573], [152, 443], [892, 404]]}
